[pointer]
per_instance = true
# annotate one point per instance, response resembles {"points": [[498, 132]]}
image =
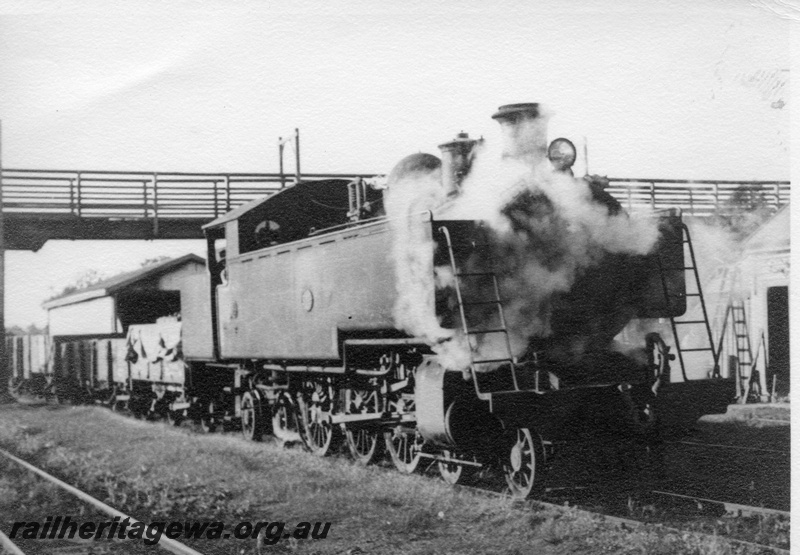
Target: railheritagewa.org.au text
{"points": [[126, 528]]}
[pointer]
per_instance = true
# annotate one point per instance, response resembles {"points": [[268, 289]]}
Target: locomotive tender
{"points": [[327, 314]]}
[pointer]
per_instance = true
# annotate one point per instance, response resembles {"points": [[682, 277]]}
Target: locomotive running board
{"points": [[346, 418]]}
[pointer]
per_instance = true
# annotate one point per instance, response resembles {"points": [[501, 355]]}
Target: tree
{"points": [[85, 279], [155, 260], [32, 329]]}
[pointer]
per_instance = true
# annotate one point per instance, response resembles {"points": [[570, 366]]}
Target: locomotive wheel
{"points": [[363, 441], [252, 421], [454, 473], [641, 412], [644, 420], [523, 470], [404, 449], [317, 430], [284, 420]]}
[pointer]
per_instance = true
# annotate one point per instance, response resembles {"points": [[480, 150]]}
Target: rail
{"points": [[179, 195], [7, 546], [168, 544]]}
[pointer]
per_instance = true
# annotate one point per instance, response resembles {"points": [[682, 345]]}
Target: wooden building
{"points": [[112, 305]]}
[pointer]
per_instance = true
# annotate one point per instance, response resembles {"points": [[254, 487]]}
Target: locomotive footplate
{"points": [[577, 413]]}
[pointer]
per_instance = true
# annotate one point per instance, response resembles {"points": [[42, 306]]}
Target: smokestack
{"points": [[456, 161], [524, 128]]}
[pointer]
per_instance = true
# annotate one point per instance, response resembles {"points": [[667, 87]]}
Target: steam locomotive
{"points": [[387, 318]]}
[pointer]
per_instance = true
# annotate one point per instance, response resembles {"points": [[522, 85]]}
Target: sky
{"points": [[683, 89]]}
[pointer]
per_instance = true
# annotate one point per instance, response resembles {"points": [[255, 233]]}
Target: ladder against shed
{"points": [[750, 311]]}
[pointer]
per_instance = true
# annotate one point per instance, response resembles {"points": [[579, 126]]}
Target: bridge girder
{"points": [[25, 231]]}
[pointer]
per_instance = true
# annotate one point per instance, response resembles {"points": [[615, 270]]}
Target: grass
{"points": [[154, 472]]}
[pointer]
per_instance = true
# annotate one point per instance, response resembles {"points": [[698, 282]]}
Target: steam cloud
{"points": [[547, 232], [414, 188]]}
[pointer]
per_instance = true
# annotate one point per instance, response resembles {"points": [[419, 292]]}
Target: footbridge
{"points": [[39, 205]]}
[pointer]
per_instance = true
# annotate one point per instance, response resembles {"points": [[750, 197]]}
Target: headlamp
{"points": [[562, 154]]}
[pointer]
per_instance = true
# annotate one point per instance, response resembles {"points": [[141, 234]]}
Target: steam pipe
{"points": [[280, 161]]}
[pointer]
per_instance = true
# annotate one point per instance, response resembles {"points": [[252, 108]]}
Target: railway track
{"points": [[726, 505], [574, 502], [9, 547], [564, 499], [734, 447], [632, 523], [167, 544]]}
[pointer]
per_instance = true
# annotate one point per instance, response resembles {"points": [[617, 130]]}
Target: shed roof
{"points": [[121, 281]]}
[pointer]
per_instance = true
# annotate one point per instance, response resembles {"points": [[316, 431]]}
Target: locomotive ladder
{"points": [[692, 268], [474, 332]]}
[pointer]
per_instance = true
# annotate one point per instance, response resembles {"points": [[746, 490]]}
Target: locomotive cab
{"points": [[292, 274]]}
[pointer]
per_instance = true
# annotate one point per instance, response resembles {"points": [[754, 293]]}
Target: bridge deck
{"points": [[39, 205]]}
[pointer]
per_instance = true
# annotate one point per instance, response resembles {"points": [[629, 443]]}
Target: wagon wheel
{"points": [[317, 430], [524, 468], [454, 473], [252, 419], [50, 388], [405, 448], [175, 417], [138, 405], [284, 420], [363, 440], [14, 386], [160, 408], [117, 405], [108, 398], [208, 418], [57, 391]]}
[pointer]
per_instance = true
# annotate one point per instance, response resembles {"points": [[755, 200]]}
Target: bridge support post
{"points": [[5, 374], [155, 205]]}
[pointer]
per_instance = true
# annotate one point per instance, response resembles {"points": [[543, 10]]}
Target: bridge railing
{"points": [[154, 195], [700, 197], [136, 195]]}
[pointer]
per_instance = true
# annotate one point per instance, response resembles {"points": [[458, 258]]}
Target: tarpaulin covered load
{"points": [[154, 352]]}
